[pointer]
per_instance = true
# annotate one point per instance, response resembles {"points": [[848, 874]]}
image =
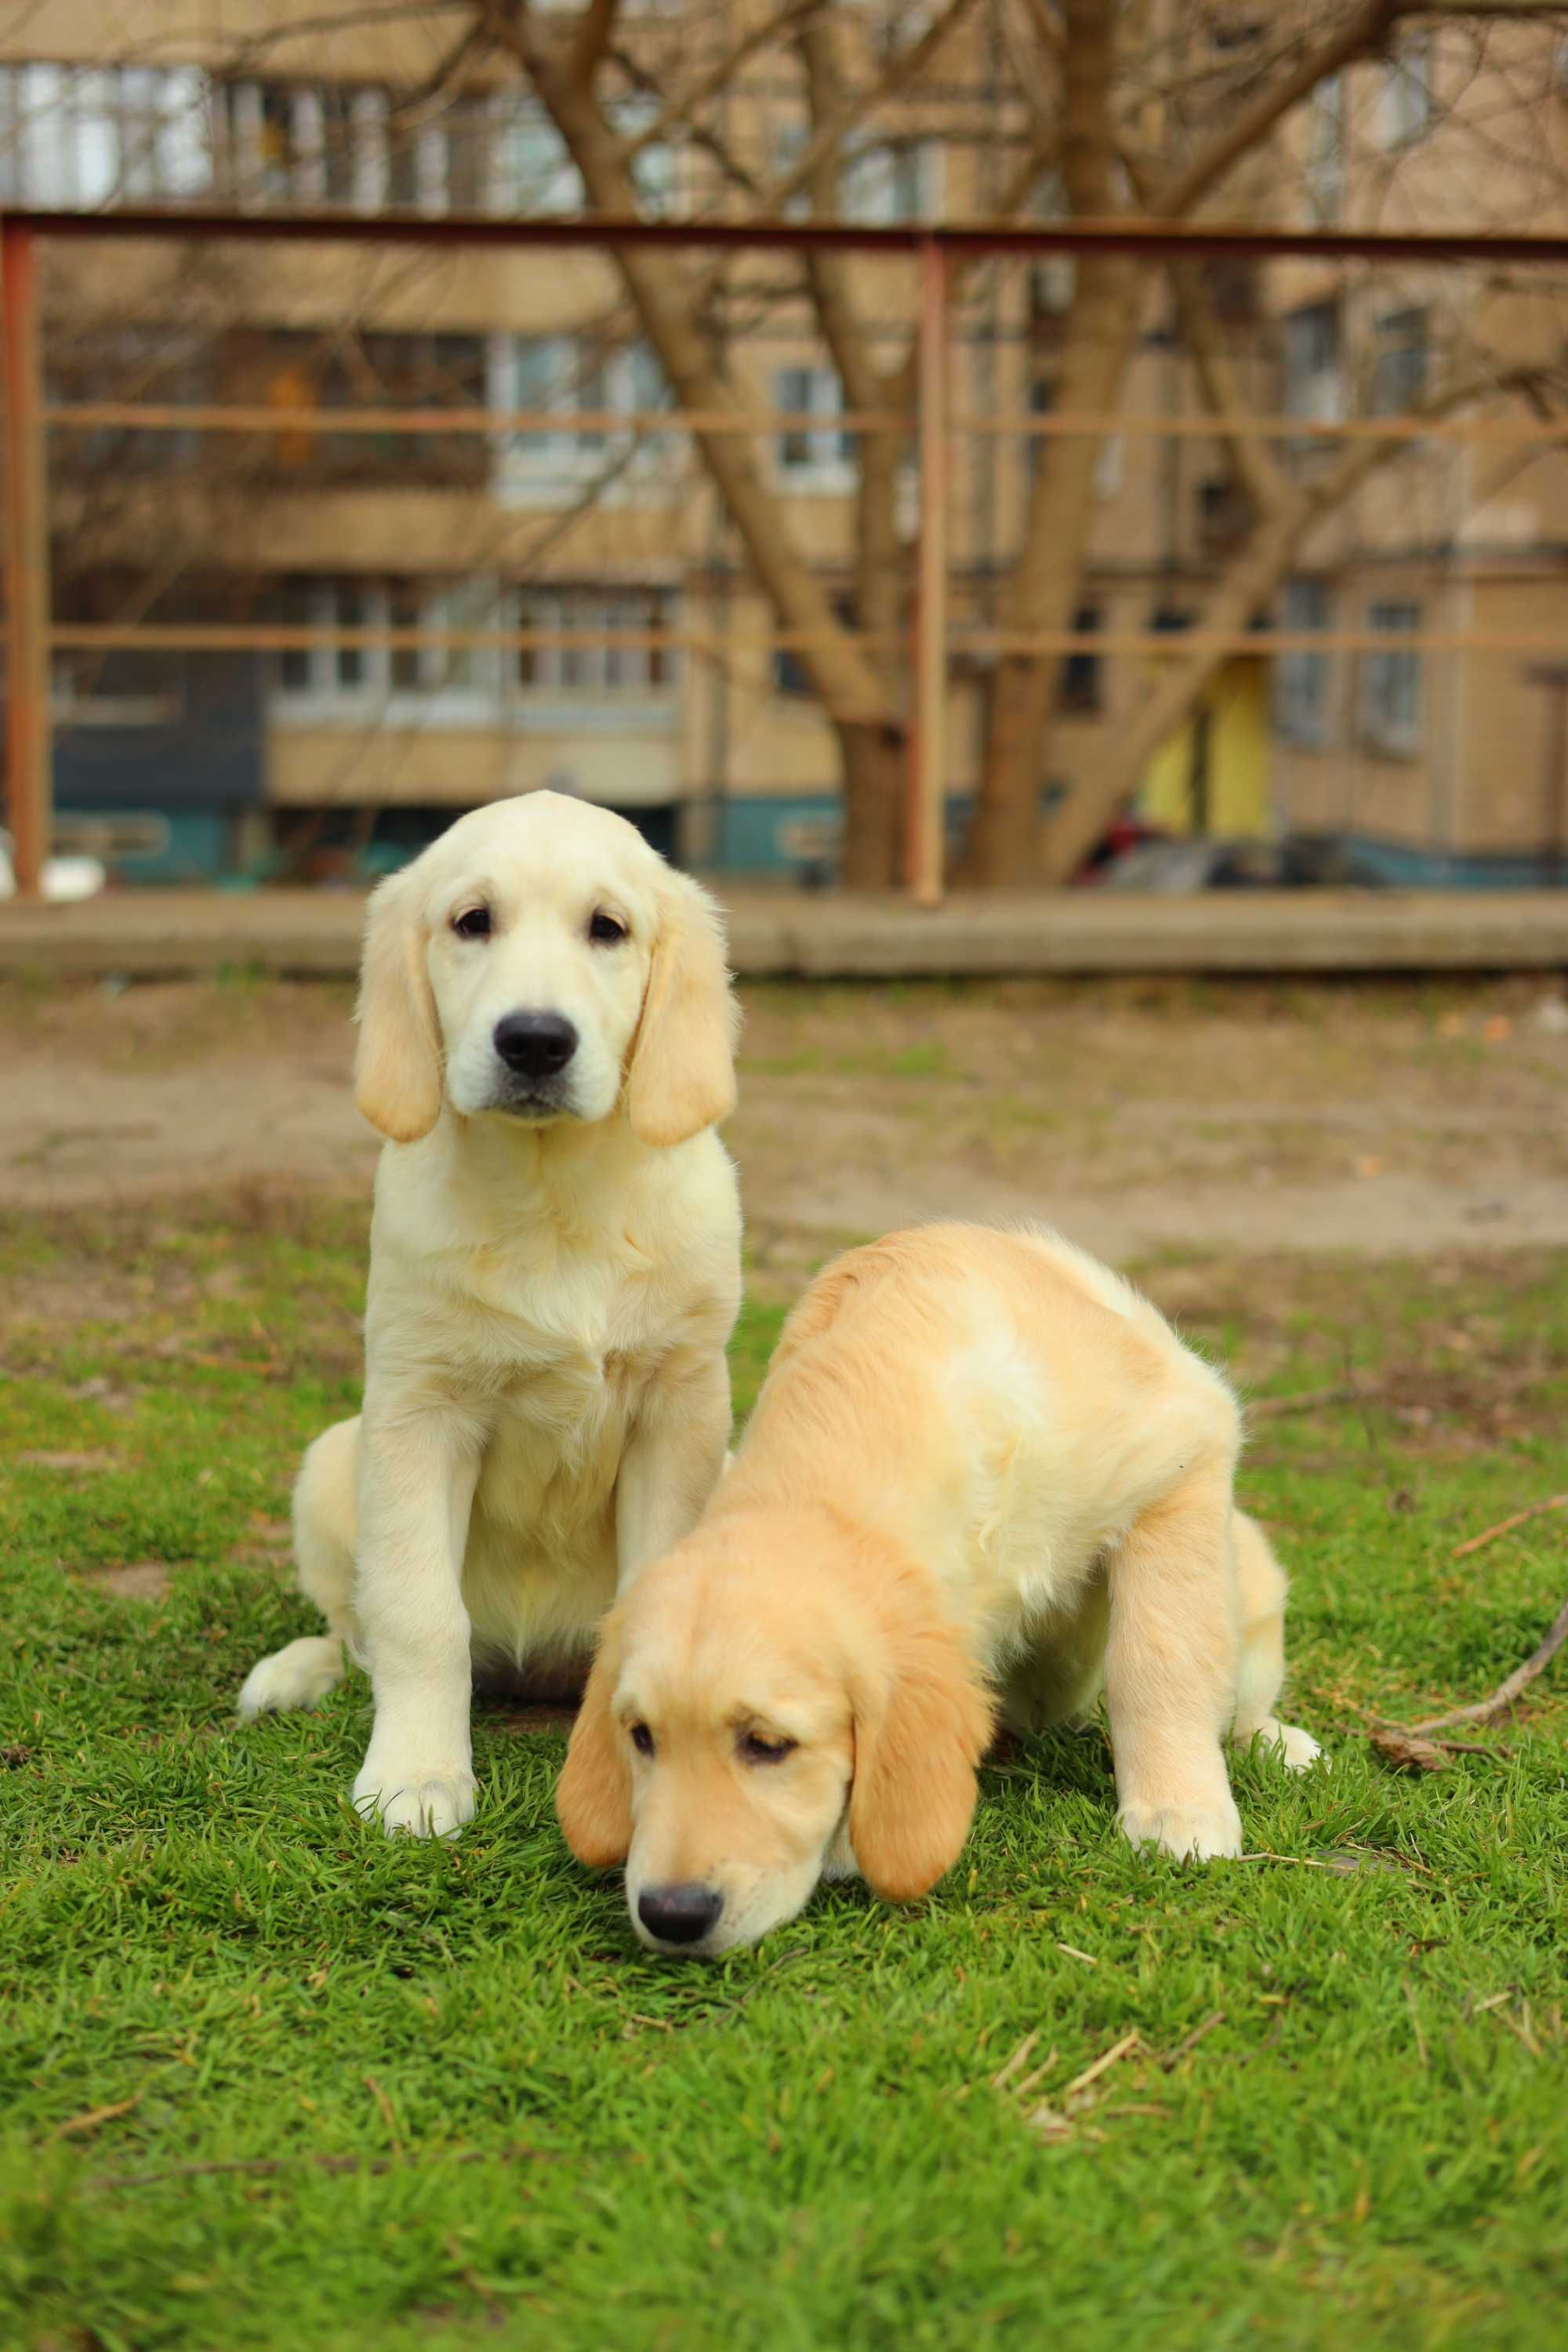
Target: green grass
{"points": [[267, 2080]]}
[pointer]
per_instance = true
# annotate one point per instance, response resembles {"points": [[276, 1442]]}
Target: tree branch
{"points": [[846, 682], [700, 134], [829, 136], [594, 26], [878, 581], [1255, 466], [1253, 579], [682, 110], [1363, 33]]}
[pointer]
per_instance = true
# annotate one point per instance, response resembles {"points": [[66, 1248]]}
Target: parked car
{"points": [[64, 879], [1175, 866]]}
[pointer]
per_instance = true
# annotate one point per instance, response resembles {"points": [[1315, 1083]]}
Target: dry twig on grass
{"points": [[1411, 1747], [1503, 1697], [1504, 1527]]}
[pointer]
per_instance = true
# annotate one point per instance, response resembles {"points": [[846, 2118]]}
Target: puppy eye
{"points": [[473, 923], [642, 1739], [606, 931], [757, 1748]]}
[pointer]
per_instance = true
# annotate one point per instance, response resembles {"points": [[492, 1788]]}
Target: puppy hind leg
{"points": [[1171, 1669], [1260, 1671], [325, 1516]]}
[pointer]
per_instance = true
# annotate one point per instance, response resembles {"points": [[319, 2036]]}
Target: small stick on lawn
{"points": [[1172, 2058], [1093, 2073], [1304, 1401], [1006, 2072], [1503, 1697], [1503, 1526]]}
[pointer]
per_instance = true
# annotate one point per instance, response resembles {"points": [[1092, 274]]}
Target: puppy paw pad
{"points": [[417, 1804], [1200, 1833]]}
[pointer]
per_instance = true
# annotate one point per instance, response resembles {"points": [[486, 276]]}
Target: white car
{"points": [[66, 879]]}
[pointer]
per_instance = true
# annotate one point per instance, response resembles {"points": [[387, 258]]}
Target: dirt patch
{"points": [[1139, 1117], [140, 1580], [74, 1464]]}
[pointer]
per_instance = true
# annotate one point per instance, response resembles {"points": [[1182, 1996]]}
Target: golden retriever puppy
{"points": [[983, 1478], [546, 1036]]}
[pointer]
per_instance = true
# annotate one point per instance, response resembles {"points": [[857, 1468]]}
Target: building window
{"points": [[1078, 692], [1399, 364], [813, 451], [879, 181], [653, 168], [287, 369], [1390, 685], [573, 375], [1053, 278], [533, 169], [788, 139], [79, 137], [558, 663], [1042, 399], [1314, 379], [792, 679], [1225, 516], [348, 680], [117, 688], [887, 181], [1326, 149], [1301, 680], [296, 143], [1405, 102], [163, 364]]}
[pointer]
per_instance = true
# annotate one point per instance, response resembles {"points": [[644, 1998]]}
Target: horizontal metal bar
{"points": [[1166, 644], [1135, 234], [95, 416]]}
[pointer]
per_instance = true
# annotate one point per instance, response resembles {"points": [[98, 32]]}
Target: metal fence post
{"points": [[928, 764], [27, 731]]}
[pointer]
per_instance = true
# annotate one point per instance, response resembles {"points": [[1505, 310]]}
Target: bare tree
{"points": [[1123, 126], [1147, 108]]}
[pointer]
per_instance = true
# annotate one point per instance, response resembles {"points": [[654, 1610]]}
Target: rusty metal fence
{"points": [[34, 635]]}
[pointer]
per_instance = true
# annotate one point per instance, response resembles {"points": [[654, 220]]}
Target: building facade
{"points": [[616, 644]]}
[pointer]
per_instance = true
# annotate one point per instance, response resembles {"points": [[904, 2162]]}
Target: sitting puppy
{"points": [[983, 1477], [546, 1038]]}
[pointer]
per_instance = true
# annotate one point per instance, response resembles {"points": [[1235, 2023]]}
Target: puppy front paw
{"points": [[1205, 1833], [424, 1801], [1299, 1751]]}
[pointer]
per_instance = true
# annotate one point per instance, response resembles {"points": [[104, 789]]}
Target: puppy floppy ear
{"points": [[682, 1073], [397, 1066], [593, 1796], [920, 1729]]}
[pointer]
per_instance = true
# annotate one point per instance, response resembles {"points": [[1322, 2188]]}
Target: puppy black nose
{"points": [[678, 1915], [535, 1044]]}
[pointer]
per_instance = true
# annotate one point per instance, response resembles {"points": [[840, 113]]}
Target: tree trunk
{"points": [[1079, 823], [876, 762], [855, 695], [1003, 841]]}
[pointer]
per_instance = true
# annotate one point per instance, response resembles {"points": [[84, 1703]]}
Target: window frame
{"points": [[1303, 699], [550, 466], [828, 468], [1395, 737]]}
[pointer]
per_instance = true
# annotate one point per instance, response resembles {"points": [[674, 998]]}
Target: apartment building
{"points": [[619, 647], [1442, 764]]}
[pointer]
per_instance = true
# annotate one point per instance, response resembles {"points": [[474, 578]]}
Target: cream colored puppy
{"points": [[983, 1477], [546, 1036]]}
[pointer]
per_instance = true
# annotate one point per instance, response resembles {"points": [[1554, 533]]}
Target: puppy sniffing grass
{"points": [[983, 1479]]}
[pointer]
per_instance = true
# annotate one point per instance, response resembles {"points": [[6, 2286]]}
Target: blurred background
{"points": [[1253, 566]]}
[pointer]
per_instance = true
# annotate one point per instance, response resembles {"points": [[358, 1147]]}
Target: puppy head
{"points": [[776, 1700], [540, 962]]}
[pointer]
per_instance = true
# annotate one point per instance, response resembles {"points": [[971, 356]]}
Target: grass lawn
{"points": [[267, 2080]]}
